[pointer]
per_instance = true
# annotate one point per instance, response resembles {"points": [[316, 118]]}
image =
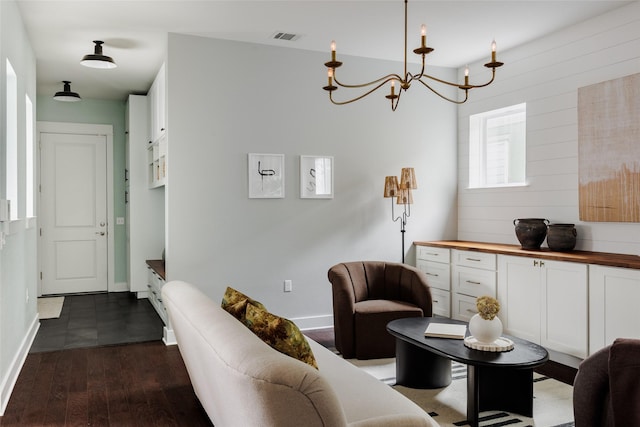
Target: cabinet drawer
{"points": [[463, 307], [473, 259], [441, 302], [473, 281], [430, 253], [438, 274]]}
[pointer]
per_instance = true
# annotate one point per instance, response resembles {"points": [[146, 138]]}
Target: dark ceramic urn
{"points": [[561, 237], [531, 232]]}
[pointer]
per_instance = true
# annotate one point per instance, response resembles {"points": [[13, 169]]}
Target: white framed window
{"points": [[12, 141], [497, 147]]}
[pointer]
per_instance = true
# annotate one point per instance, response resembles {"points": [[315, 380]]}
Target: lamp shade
{"points": [[404, 196], [408, 178], [97, 59], [66, 95], [390, 186]]}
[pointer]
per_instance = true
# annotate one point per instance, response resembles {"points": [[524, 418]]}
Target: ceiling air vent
{"points": [[285, 36]]}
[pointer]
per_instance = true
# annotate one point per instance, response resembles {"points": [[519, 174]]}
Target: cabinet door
{"points": [[614, 295], [157, 100], [564, 322], [519, 296]]}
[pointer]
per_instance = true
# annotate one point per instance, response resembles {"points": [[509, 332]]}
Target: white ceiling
{"points": [[135, 31]]}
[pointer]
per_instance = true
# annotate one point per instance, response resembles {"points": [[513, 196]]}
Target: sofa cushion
{"points": [[235, 302], [280, 333]]}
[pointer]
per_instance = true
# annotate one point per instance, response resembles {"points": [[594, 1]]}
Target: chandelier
{"points": [[407, 78]]}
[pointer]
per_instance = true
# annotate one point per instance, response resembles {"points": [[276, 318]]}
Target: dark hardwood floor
{"points": [[142, 384], [91, 320]]}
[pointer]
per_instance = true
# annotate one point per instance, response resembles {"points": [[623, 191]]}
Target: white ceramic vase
{"points": [[485, 331]]}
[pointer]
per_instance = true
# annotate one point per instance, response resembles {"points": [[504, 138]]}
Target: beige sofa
{"points": [[241, 381]]}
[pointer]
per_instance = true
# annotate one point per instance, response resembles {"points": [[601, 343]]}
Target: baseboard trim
{"points": [[168, 337], [9, 382], [313, 322], [120, 287]]}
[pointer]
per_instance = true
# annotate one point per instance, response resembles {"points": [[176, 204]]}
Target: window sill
{"points": [[493, 187]]}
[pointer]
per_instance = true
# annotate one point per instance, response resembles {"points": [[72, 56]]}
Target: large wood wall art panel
{"points": [[609, 150]]}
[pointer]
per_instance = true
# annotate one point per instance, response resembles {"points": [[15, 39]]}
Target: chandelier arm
{"points": [[466, 94], [394, 105], [493, 76], [383, 79], [359, 97]]}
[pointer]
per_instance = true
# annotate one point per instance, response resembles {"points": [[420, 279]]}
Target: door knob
{"points": [[100, 233]]}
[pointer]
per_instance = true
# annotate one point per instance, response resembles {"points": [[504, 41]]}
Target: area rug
{"points": [[552, 404], [50, 307]]}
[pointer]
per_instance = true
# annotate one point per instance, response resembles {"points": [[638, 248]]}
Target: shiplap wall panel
{"points": [[546, 74]]}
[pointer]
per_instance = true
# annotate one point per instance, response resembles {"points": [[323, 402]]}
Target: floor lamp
{"points": [[402, 193]]}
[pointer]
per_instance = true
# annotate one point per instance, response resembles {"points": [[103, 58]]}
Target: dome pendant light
{"points": [[97, 59], [66, 95]]}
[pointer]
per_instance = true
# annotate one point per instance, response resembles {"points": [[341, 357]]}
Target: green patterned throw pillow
{"points": [[280, 333], [235, 302]]}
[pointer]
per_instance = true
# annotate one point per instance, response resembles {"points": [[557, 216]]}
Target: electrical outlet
{"points": [[120, 220], [288, 286]]}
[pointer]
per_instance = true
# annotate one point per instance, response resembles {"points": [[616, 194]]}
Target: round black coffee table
{"points": [[495, 380]]}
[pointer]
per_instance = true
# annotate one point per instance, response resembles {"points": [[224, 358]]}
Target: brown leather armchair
{"points": [[369, 294], [606, 390]]}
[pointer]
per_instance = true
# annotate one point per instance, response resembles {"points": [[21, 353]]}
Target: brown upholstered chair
{"points": [[369, 294], [606, 390]]}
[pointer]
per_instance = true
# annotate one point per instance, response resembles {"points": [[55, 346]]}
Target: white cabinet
{"points": [[155, 282], [473, 274], [157, 106], [434, 262], [157, 162], [545, 302], [144, 208], [614, 297], [157, 165]]}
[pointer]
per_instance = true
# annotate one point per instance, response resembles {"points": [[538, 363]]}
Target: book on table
{"points": [[445, 330]]}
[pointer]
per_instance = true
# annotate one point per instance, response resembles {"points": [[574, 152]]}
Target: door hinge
{"points": [[41, 275], [40, 232]]}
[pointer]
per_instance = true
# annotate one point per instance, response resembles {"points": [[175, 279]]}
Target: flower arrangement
{"points": [[488, 307]]}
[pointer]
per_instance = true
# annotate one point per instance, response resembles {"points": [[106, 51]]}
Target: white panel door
{"points": [[73, 213]]}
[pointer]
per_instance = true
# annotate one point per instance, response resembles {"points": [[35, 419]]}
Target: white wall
{"points": [[227, 99], [18, 261], [546, 74]]}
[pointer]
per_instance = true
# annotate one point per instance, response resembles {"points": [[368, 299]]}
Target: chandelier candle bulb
{"points": [[493, 51], [423, 35]]}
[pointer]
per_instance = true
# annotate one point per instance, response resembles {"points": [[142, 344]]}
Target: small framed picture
{"points": [[316, 177], [266, 176]]}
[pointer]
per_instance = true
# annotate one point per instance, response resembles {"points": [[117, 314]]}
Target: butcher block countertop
{"points": [[584, 257]]}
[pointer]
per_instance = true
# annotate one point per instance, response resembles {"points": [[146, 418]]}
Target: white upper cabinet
{"points": [[157, 105]]}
